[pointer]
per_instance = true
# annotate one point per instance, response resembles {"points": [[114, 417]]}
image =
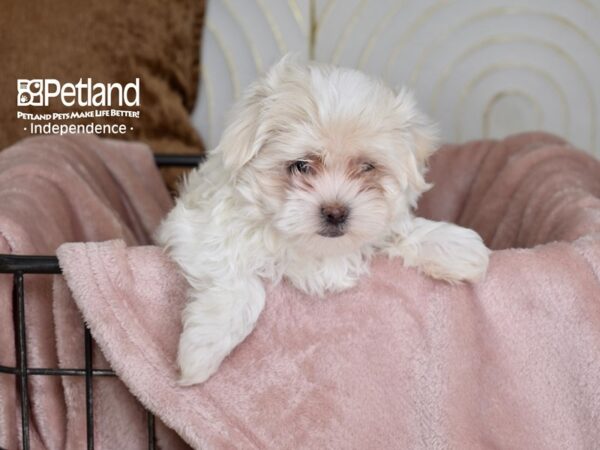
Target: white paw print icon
{"points": [[29, 93]]}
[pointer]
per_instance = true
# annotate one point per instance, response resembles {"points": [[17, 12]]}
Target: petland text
{"points": [[40, 92]]}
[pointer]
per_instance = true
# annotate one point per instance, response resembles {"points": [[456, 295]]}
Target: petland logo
{"points": [[40, 92]]}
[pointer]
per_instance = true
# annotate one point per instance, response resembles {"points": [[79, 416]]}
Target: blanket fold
{"points": [[400, 361]]}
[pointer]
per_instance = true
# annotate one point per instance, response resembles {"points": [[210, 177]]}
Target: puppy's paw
{"points": [[214, 322], [442, 250], [198, 360], [456, 254]]}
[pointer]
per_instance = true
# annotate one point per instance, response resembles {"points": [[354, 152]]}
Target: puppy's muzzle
{"points": [[334, 217]]}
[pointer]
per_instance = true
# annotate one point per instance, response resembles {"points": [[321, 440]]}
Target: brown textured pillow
{"points": [[108, 41]]}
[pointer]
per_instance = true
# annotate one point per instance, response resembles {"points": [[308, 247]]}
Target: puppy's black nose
{"points": [[334, 214]]}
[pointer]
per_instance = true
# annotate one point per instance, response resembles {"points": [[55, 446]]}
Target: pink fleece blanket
{"points": [[400, 361], [55, 190]]}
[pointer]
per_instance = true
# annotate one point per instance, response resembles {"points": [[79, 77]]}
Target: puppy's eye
{"points": [[299, 167], [367, 167]]}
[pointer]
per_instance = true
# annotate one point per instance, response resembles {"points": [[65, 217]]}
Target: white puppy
{"points": [[317, 171]]}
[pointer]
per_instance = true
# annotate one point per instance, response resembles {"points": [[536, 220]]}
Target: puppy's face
{"points": [[333, 191], [330, 157]]}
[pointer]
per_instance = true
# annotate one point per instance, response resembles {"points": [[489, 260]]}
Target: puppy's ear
{"points": [[241, 140], [422, 137], [249, 127]]}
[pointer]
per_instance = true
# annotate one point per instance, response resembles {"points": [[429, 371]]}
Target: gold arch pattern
{"points": [[388, 16], [496, 12], [348, 28], [496, 68], [510, 92], [313, 16], [258, 63], [517, 39]]}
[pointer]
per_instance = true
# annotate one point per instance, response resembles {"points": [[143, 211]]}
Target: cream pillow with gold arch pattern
{"points": [[479, 68]]}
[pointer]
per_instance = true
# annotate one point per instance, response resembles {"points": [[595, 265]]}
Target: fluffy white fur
{"points": [[304, 138]]}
